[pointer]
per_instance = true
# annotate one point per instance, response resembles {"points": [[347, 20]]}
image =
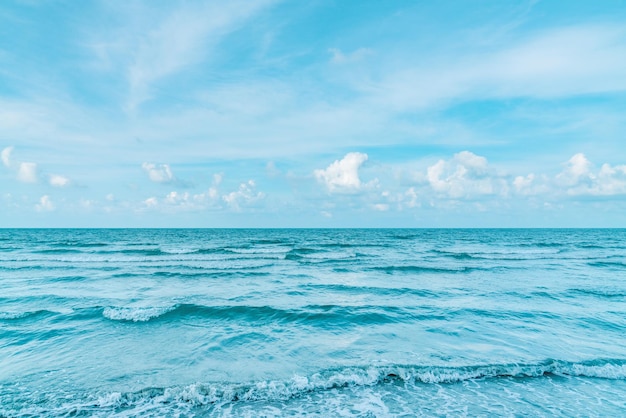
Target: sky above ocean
{"points": [[312, 114]]}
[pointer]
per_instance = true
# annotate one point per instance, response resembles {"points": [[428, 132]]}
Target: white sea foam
{"points": [[14, 315], [198, 394], [140, 314]]}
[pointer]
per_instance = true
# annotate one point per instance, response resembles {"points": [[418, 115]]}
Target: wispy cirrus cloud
{"points": [[148, 50], [557, 62]]}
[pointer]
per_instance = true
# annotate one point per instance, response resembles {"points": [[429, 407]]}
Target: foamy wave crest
{"points": [[14, 315], [186, 400], [136, 314], [207, 394]]}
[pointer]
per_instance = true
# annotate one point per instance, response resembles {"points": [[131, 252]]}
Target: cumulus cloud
{"points": [[27, 172], [45, 204], [577, 170], [580, 178], [343, 175], [6, 156], [465, 175], [159, 173], [58, 181], [245, 195]]}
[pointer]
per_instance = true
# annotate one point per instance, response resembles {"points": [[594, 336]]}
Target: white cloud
{"points": [[580, 178], [412, 196], [343, 175], [380, 207], [245, 195], [58, 181], [339, 57], [578, 169], [151, 202], [27, 172], [6, 156], [158, 173], [45, 204], [465, 175]]}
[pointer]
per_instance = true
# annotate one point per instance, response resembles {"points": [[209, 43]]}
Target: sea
{"points": [[312, 322]]}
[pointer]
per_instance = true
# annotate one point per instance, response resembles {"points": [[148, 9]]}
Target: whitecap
{"points": [[139, 314]]}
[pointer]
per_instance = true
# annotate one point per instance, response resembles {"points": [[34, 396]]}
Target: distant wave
{"points": [[313, 255], [136, 314], [318, 316], [601, 293], [13, 316], [79, 244], [608, 264], [315, 315], [424, 269], [57, 251]]}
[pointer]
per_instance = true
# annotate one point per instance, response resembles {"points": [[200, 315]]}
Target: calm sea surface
{"points": [[354, 322]]}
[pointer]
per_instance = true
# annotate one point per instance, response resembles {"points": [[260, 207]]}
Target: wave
{"points": [[218, 393], [608, 264], [316, 256], [41, 313], [79, 244], [56, 251], [314, 315], [601, 293], [148, 252], [385, 291], [136, 314], [424, 269]]}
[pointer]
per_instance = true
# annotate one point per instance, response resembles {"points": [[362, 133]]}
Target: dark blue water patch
{"points": [[543, 294], [270, 241], [214, 250], [613, 265], [299, 253], [421, 269], [62, 279], [210, 273], [459, 255], [57, 251], [376, 291], [616, 323], [149, 252], [40, 267], [497, 314], [606, 293], [79, 244]]}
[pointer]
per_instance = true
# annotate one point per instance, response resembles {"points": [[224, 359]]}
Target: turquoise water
{"points": [[369, 323]]}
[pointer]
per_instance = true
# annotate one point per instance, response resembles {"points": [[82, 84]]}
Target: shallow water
{"points": [[382, 322]]}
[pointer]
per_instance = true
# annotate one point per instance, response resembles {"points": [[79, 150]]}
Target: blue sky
{"points": [[312, 114]]}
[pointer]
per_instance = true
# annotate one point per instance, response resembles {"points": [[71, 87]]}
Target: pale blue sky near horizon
{"points": [[312, 114]]}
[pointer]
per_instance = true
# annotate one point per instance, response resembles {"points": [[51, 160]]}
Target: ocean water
{"points": [[354, 322]]}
